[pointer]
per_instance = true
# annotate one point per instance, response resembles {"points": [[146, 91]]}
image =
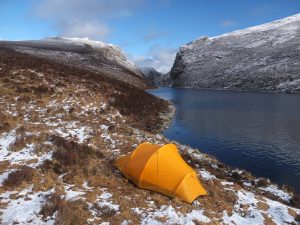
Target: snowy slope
{"points": [[95, 55], [260, 58], [118, 55]]}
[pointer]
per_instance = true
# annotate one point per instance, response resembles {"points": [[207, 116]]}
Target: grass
{"points": [[72, 213], [53, 203], [68, 212], [16, 178], [105, 212], [69, 154]]}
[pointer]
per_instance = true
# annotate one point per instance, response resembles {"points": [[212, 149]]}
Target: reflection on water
{"points": [[259, 132]]}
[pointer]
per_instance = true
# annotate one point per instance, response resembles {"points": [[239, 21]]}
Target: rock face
{"points": [[164, 80], [158, 79], [104, 58], [150, 73], [261, 58]]}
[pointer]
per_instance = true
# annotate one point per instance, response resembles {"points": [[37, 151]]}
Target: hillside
{"points": [[61, 129], [261, 58], [97, 56]]}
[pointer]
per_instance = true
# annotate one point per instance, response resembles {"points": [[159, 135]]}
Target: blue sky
{"points": [[149, 31]]}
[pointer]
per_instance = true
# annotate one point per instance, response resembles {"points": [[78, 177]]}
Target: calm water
{"points": [[259, 132]]}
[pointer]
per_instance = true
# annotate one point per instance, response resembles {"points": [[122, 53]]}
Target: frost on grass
{"points": [[104, 200], [26, 154], [104, 207], [170, 216], [279, 213], [5, 141], [71, 194], [81, 133], [207, 175], [4, 175], [277, 192], [247, 211], [24, 209]]}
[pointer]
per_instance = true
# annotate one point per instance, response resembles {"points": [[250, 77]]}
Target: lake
{"points": [[258, 132]]}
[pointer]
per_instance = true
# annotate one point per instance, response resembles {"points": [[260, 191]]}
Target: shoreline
{"points": [[228, 90], [252, 179]]}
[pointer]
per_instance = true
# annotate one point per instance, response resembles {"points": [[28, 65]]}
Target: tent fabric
{"points": [[161, 169]]}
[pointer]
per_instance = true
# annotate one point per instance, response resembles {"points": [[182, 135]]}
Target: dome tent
{"points": [[161, 169]]}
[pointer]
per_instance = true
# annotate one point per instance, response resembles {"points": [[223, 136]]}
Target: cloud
{"points": [[159, 58], [91, 29], [88, 18], [228, 23], [260, 10], [91, 18], [154, 35]]}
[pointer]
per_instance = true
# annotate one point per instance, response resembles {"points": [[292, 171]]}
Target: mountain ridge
{"points": [[104, 58], [260, 58]]}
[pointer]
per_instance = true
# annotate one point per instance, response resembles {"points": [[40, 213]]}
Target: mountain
{"points": [[150, 73], [260, 58], [153, 75], [97, 56], [164, 80], [158, 79]]}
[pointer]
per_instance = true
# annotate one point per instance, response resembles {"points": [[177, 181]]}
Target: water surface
{"points": [[259, 132]]}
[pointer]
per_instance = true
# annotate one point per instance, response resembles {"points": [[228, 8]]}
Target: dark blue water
{"points": [[259, 132]]}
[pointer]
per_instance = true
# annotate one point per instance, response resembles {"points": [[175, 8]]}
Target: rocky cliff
{"points": [[97, 56], [260, 58], [150, 73]]}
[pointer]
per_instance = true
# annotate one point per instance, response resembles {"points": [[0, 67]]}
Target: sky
{"points": [[150, 32]]}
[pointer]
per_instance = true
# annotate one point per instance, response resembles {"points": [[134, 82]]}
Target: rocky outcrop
{"points": [[104, 58], [261, 58], [158, 79], [164, 80], [150, 73]]}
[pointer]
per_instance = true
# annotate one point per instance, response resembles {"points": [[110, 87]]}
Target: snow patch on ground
{"points": [[278, 212], [227, 183], [82, 133], [104, 200], [207, 175], [170, 216], [240, 217], [72, 195], [4, 175], [27, 154], [24, 211], [277, 192], [5, 141]]}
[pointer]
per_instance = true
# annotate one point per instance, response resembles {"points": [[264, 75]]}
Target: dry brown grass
{"points": [[72, 213], [70, 153], [295, 201], [16, 178], [68, 212], [53, 203], [104, 212]]}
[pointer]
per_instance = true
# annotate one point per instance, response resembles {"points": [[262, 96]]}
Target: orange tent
{"points": [[161, 169]]}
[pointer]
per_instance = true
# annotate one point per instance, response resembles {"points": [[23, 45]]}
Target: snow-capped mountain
{"points": [[260, 58], [105, 58]]}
